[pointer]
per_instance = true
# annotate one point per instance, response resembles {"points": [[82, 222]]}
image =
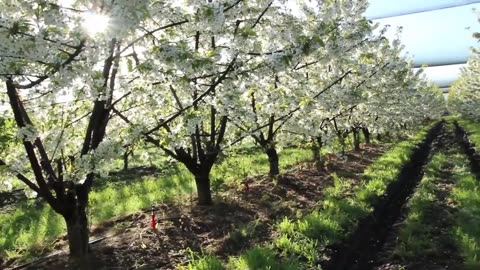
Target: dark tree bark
{"points": [[317, 145], [202, 181], [272, 160], [366, 135], [125, 161], [126, 156], [76, 221], [379, 137], [356, 140]]}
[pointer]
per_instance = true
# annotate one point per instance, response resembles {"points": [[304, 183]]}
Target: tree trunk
{"points": [[356, 140], [379, 137], [315, 152], [273, 161], [366, 135], [341, 140], [202, 180], [75, 203], [317, 145], [77, 231], [125, 160]]}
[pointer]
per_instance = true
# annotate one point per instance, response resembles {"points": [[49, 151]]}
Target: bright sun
{"points": [[95, 23]]}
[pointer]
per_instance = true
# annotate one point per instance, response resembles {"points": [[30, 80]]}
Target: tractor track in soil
{"points": [[360, 248]]}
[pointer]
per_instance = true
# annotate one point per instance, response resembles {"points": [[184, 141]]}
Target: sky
{"points": [[435, 38]]}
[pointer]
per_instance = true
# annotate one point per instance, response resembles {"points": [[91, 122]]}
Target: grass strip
{"points": [[466, 195], [425, 232]]}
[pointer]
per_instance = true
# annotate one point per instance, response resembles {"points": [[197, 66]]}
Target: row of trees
{"points": [[464, 95], [192, 79]]}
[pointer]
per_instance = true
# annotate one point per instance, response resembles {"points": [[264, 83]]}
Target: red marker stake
{"points": [[247, 186], [153, 222]]}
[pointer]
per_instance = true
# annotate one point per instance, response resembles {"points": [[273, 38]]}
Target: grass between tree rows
{"points": [[32, 227], [426, 230], [415, 235], [298, 241], [472, 129], [466, 195], [441, 225]]}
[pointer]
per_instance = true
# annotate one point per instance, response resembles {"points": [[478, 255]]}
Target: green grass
{"points": [[472, 129], [416, 237], [30, 228], [340, 211], [261, 259], [253, 162], [202, 262], [466, 194], [300, 241], [254, 259]]}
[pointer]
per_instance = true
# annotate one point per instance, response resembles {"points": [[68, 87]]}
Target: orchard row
{"points": [[85, 83]]}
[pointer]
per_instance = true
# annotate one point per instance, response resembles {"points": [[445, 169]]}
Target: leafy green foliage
{"points": [[7, 134]]}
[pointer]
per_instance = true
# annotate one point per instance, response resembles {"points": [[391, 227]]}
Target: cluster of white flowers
{"points": [[464, 95], [27, 133], [196, 63]]}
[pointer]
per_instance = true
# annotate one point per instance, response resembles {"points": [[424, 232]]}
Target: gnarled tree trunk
{"points": [[315, 151]]}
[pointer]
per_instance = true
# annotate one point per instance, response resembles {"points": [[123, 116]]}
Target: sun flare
{"points": [[95, 23]]}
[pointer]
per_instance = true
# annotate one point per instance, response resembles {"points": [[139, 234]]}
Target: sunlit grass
{"points": [[466, 194]]}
